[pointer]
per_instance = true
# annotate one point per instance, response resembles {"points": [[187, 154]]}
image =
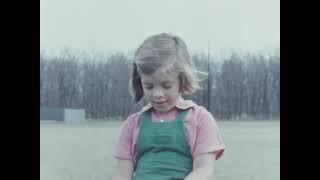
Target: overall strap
{"points": [[181, 114]]}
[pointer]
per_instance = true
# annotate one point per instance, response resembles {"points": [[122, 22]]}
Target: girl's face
{"points": [[161, 89]]}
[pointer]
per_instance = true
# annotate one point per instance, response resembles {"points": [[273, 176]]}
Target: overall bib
{"points": [[163, 152]]}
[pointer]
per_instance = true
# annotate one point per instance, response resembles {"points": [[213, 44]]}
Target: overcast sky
{"points": [[123, 24]]}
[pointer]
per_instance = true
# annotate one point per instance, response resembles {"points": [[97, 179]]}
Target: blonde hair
{"points": [[165, 51]]}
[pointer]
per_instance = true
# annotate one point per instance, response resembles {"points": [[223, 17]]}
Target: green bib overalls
{"points": [[163, 152]]}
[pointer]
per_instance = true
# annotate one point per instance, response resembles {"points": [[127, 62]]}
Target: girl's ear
{"points": [[136, 84]]}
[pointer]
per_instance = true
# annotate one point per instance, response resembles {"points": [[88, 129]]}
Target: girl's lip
{"points": [[160, 102]]}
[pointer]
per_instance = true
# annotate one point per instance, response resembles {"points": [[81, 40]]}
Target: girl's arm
{"points": [[124, 170], [203, 167]]}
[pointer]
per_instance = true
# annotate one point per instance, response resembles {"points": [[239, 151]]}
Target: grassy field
{"points": [[84, 151]]}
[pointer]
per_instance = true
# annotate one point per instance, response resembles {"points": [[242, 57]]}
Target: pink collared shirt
{"points": [[201, 131]]}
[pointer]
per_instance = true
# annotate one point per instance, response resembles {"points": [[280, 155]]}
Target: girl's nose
{"points": [[157, 93]]}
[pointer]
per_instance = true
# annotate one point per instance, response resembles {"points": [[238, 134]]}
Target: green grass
{"points": [[84, 151]]}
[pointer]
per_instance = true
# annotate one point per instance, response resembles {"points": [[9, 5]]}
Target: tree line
{"points": [[240, 86]]}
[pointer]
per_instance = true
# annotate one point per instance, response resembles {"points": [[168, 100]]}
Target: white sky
{"points": [[123, 24]]}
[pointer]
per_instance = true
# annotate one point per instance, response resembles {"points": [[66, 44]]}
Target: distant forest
{"points": [[241, 86]]}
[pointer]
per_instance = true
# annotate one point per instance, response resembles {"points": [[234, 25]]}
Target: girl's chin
{"points": [[162, 108]]}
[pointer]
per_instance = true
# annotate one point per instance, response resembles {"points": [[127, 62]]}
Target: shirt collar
{"points": [[181, 104]]}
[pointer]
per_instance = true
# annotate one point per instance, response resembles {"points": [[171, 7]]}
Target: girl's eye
{"points": [[167, 86], [148, 87]]}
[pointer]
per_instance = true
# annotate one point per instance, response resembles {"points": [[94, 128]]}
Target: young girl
{"points": [[170, 138]]}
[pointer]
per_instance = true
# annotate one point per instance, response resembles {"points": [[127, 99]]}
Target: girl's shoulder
{"points": [[133, 117], [132, 120], [201, 113], [199, 109]]}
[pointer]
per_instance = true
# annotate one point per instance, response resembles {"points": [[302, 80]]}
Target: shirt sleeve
{"points": [[125, 140], [208, 137]]}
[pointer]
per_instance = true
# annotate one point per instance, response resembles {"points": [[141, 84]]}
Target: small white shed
{"points": [[63, 114]]}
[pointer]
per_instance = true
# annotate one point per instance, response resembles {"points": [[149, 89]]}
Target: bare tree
{"points": [[239, 85]]}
